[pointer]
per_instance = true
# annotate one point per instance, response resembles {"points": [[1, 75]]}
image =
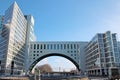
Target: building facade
{"points": [[72, 51], [30, 38], [102, 54], [16, 30], [19, 50]]}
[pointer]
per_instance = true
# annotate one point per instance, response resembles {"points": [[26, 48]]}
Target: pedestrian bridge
{"points": [[73, 51]]}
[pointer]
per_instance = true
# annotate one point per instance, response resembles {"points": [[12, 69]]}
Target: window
{"points": [[100, 35], [34, 46], [57, 46], [37, 46], [37, 54], [33, 54], [44, 46], [64, 46], [51, 46], [41, 46], [54, 46], [37, 51], [74, 54], [34, 58], [114, 36], [115, 49], [71, 46], [47, 46], [74, 51], [67, 46], [74, 46], [61, 46]]}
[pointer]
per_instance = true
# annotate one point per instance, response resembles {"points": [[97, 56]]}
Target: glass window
{"points": [[34, 46], [108, 34], [57, 46], [71, 46], [54, 46], [44, 46], [114, 36], [41, 46], [51, 46], [115, 49], [74, 54], [37, 54], [37, 46], [100, 36], [100, 40], [67, 46], [47, 46], [74, 46], [61, 46], [64, 46]]}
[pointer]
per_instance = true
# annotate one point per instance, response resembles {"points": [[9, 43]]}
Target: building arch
{"points": [[53, 54]]}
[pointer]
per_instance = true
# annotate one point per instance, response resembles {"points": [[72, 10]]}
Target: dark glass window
{"points": [[34, 46], [67, 46], [37, 46], [71, 46], [41, 46], [37, 51], [37, 54], [33, 54], [74, 46], [64, 46]]}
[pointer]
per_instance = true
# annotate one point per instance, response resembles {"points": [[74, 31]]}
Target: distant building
{"points": [[102, 54]]}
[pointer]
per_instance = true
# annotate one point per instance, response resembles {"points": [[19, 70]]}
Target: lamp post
{"points": [[39, 75]]}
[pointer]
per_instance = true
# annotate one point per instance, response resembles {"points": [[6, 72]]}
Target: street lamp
{"points": [[39, 75]]}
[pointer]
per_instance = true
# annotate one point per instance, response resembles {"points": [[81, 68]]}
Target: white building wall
{"points": [[70, 49]]}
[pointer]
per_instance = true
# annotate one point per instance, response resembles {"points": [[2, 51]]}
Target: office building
{"points": [[16, 32], [102, 55]]}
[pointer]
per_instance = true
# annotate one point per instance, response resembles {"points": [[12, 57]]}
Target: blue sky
{"points": [[70, 20]]}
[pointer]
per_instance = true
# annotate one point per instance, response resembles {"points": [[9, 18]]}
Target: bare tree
{"points": [[44, 68]]}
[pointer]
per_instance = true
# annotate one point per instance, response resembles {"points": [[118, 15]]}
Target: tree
{"points": [[44, 68]]}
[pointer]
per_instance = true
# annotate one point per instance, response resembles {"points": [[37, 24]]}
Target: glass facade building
{"points": [[16, 23], [102, 54], [16, 32], [30, 37]]}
